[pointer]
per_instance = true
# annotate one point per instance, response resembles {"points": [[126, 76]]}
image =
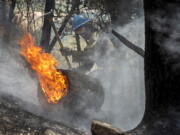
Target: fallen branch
{"points": [[130, 45]]}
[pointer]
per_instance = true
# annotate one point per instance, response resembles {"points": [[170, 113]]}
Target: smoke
{"points": [[15, 78], [122, 76]]}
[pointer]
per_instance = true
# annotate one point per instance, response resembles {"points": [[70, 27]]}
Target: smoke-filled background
{"points": [[122, 78]]}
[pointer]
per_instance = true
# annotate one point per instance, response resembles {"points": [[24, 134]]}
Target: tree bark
{"points": [[3, 11], [11, 11], [161, 80], [46, 30], [4, 20]]}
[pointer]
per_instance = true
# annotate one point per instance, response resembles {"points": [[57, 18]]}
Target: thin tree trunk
{"points": [[4, 20], [46, 30], [77, 35], [11, 11], [2, 11]]}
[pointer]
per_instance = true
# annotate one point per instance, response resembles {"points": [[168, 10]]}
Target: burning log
{"points": [[84, 93], [61, 89], [53, 83]]}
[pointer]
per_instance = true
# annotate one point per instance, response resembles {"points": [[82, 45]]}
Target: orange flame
{"points": [[53, 83]]}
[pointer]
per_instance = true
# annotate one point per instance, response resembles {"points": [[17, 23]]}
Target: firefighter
{"points": [[97, 45], [92, 58]]}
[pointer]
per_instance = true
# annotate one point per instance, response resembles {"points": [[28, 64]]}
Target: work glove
{"points": [[66, 51]]}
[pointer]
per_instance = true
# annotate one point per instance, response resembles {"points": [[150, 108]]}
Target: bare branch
{"points": [[130, 45]]}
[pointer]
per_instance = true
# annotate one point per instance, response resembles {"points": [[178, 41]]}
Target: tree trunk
{"points": [[4, 20], [162, 76], [2, 10], [46, 30], [11, 11]]}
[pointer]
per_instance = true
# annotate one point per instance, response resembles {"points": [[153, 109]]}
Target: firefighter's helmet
{"points": [[78, 21]]}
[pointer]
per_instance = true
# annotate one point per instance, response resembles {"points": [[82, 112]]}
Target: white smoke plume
{"points": [[122, 77], [15, 78]]}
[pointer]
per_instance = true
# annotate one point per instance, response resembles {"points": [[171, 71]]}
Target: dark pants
{"points": [[84, 67]]}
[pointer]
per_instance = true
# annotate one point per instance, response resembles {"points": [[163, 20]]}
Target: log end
{"points": [[100, 128]]}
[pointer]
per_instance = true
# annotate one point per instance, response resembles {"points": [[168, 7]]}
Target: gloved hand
{"points": [[66, 51]]}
